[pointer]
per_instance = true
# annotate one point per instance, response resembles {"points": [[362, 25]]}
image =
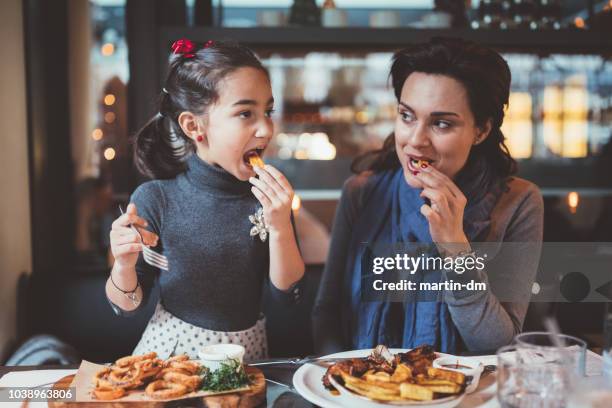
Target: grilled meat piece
{"points": [[381, 353], [355, 367], [378, 365], [415, 354], [420, 358]]}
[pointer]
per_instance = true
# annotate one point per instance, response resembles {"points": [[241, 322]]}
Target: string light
{"points": [[109, 117], [109, 153], [97, 134], [109, 100], [572, 201], [108, 49]]}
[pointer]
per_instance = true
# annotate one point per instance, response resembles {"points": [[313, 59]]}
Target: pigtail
{"points": [[158, 153]]}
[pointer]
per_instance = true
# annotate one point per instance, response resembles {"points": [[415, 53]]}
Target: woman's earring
{"points": [[200, 138]]}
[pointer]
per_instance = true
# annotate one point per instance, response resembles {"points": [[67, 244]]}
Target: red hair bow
{"points": [[185, 47]]}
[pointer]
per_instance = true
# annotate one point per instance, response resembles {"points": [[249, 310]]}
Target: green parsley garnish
{"points": [[229, 376]]}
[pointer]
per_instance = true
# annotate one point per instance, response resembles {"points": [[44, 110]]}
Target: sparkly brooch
{"points": [[259, 225]]}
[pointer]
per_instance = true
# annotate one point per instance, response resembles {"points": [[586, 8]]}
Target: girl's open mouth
{"points": [[253, 157]]}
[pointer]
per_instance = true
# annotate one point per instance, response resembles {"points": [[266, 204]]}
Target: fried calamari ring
{"points": [[108, 393], [180, 357], [192, 382], [130, 379], [191, 367], [101, 375], [130, 360], [173, 378], [171, 370], [161, 389], [149, 368]]}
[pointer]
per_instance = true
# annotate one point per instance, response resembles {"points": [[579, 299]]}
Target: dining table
{"points": [[280, 391]]}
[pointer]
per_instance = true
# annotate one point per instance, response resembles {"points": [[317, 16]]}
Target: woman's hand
{"points": [[275, 194], [445, 213], [125, 242]]}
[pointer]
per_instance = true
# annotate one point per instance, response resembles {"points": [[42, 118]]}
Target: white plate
{"points": [[307, 381]]}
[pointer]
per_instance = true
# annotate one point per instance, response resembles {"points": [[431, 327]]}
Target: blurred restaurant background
{"points": [[79, 77]]}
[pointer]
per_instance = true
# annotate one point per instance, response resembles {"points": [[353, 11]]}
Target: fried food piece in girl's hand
{"points": [[255, 160]]}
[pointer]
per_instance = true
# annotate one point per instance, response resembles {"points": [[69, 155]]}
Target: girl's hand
{"points": [[125, 242], [275, 194], [445, 213]]}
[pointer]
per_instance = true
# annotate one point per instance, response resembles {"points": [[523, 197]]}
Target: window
{"points": [[101, 149]]}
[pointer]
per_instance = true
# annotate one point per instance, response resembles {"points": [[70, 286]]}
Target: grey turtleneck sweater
{"points": [[217, 270]]}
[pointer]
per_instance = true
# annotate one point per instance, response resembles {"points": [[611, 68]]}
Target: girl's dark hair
{"points": [[160, 147], [486, 78]]}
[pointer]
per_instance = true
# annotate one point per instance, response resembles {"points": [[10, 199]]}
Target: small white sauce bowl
{"points": [[468, 366], [213, 355]]}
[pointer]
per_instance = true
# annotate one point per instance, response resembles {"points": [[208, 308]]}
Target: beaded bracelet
{"points": [[130, 294]]}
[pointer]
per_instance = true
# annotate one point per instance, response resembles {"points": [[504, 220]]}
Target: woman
{"points": [[443, 177]]}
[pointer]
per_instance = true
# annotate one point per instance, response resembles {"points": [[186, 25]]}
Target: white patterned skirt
{"points": [[167, 335]]}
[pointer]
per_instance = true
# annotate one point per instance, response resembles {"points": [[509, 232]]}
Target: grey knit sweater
{"points": [[483, 321], [217, 270]]}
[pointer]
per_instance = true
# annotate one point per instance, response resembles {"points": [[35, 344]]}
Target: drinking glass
{"points": [[527, 382], [544, 346]]}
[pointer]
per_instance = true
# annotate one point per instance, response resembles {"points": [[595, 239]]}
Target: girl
{"points": [[199, 211], [443, 178]]}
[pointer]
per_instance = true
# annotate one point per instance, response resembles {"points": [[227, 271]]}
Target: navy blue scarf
{"points": [[391, 214]]}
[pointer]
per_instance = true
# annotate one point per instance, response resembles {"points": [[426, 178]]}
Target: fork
{"points": [[150, 256], [320, 361]]}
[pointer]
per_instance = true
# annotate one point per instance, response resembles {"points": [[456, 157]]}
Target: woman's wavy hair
{"points": [[160, 146], [486, 78]]}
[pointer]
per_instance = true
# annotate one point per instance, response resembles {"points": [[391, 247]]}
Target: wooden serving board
{"points": [[246, 399]]}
